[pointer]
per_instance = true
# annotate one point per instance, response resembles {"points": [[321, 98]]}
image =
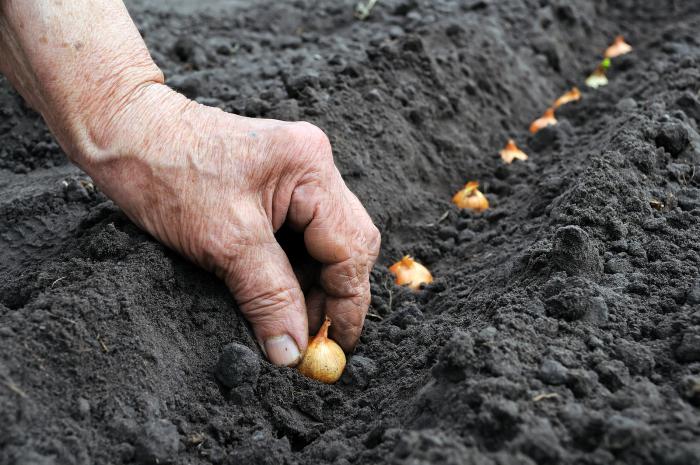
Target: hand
{"points": [[213, 186], [216, 187]]}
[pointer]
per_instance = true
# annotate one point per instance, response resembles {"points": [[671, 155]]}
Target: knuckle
{"points": [[352, 319], [312, 132], [346, 279], [349, 323], [348, 316], [268, 304], [374, 240], [314, 140], [354, 330]]}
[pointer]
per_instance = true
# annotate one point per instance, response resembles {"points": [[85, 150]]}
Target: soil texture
{"points": [[563, 325]]}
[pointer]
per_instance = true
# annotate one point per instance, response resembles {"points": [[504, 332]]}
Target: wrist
{"points": [[122, 148], [93, 131]]}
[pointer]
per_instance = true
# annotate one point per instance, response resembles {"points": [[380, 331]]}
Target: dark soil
{"points": [[564, 323]]}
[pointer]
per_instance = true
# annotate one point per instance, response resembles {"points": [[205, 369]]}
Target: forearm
{"points": [[77, 63]]}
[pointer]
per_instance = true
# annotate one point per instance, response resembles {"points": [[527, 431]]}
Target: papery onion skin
{"points": [[511, 152], [617, 48], [323, 360], [410, 273], [471, 198], [598, 77], [573, 95], [596, 80], [547, 119]]}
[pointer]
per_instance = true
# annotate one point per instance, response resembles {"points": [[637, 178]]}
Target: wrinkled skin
{"points": [[216, 187], [213, 186]]}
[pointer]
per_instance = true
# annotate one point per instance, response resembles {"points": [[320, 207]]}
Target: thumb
{"points": [[267, 292]]}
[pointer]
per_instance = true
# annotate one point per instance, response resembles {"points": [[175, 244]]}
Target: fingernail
{"points": [[282, 350]]}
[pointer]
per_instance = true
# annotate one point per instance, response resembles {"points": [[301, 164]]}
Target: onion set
{"points": [[410, 273], [323, 360], [598, 77], [547, 119], [573, 95], [512, 152], [471, 198], [617, 48]]}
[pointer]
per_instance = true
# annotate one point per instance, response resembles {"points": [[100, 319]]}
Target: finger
{"points": [[334, 235], [373, 237], [348, 324], [268, 294], [348, 320]]}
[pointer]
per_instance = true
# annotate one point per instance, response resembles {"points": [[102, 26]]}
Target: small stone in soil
{"points": [[238, 366]]}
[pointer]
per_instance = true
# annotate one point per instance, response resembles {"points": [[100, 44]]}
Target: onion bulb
{"points": [[471, 198], [547, 119], [598, 77], [410, 273], [323, 360], [617, 48], [571, 96], [512, 152], [596, 80]]}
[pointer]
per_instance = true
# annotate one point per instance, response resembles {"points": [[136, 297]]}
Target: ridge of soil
{"points": [[564, 322]]}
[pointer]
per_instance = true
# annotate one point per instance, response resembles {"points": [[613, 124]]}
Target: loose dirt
{"points": [[563, 325]]}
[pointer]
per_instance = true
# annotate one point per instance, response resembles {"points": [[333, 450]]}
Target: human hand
{"points": [[216, 187], [213, 186]]}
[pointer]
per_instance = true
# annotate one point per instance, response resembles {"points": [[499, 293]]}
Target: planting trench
{"points": [[563, 325]]}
